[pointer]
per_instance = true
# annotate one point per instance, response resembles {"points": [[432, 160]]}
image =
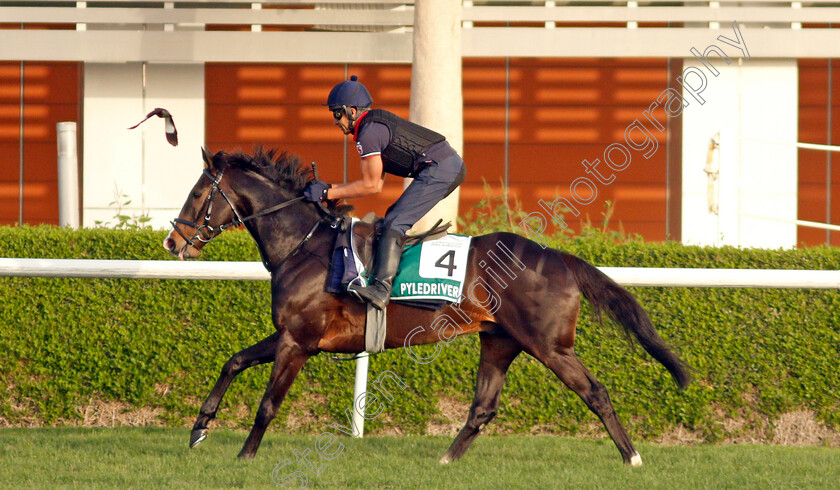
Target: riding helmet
{"points": [[349, 93]]}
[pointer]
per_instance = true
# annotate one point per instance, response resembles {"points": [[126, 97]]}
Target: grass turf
{"points": [[160, 458]]}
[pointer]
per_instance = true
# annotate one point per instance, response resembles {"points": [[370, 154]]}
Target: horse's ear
{"points": [[207, 156]]}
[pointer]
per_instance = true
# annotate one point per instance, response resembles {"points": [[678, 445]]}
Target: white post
{"points": [[551, 24], [168, 27], [359, 389], [436, 100], [632, 24], [81, 27], [796, 25], [754, 179], [256, 27], [68, 175], [714, 25], [468, 24]]}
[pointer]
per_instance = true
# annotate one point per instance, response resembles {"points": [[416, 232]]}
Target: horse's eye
{"points": [[196, 195]]}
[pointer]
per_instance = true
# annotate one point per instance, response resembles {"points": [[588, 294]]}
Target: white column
{"points": [[436, 100], [169, 27], [256, 27], [153, 175], [81, 27], [748, 101], [796, 25], [68, 175], [632, 24], [170, 172], [551, 24], [112, 155], [714, 25]]}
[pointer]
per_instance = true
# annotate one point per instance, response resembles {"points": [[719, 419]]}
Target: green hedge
{"points": [[66, 344]]}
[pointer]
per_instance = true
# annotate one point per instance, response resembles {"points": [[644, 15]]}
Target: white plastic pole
{"points": [[359, 389], [68, 175]]}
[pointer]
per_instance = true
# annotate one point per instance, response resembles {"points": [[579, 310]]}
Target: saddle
{"points": [[364, 234]]}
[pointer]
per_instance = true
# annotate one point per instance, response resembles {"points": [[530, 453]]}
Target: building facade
{"points": [[681, 121]]}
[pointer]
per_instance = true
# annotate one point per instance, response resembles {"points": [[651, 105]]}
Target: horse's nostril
{"points": [[169, 244]]}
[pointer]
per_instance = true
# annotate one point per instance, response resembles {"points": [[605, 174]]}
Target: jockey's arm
{"points": [[371, 182]]}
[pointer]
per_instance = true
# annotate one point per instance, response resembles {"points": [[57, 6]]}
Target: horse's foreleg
{"points": [[259, 353], [288, 361], [574, 374], [497, 352]]}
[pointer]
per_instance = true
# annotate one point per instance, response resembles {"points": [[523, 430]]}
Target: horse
{"points": [[263, 192]]}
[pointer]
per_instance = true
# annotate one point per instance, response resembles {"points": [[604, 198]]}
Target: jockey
{"points": [[389, 144]]}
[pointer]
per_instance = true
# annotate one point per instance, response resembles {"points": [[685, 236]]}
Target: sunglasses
{"points": [[338, 113]]}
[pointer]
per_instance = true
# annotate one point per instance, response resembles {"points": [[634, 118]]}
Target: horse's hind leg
{"points": [[497, 352], [259, 353], [574, 374]]}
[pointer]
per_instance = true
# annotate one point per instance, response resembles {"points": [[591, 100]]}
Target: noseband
{"points": [[205, 231]]}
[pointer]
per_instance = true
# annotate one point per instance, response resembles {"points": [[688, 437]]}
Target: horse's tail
{"points": [[605, 294]]}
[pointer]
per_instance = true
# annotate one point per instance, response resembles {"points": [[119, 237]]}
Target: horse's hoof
{"points": [[636, 460], [445, 459], [197, 436]]}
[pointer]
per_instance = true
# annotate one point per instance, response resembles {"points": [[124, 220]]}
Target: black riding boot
{"points": [[386, 262]]}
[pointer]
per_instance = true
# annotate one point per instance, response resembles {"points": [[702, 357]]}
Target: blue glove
{"points": [[316, 191]]}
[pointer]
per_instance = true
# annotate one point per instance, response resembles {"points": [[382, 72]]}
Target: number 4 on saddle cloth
{"points": [[431, 272]]}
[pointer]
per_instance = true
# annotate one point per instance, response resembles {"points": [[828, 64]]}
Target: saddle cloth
{"points": [[431, 272]]}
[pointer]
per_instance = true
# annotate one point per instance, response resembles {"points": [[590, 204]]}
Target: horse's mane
{"points": [[282, 168]]}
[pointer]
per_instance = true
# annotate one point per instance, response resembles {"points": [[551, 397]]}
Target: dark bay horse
{"points": [[538, 315]]}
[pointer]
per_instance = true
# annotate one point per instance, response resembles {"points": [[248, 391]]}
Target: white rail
{"points": [[380, 30], [798, 144], [133, 269], [254, 271], [725, 278], [228, 13]]}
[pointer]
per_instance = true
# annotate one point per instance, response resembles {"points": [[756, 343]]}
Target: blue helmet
{"points": [[349, 93]]}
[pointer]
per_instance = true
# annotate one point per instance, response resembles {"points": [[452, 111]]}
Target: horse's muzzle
{"points": [[180, 250], [169, 245]]}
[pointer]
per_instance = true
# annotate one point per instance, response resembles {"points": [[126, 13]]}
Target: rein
{"points": [[206, 232]]}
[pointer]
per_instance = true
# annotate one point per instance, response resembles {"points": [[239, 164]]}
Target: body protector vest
{"points": [[405, 152]]}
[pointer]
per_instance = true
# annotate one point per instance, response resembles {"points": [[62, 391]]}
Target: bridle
{"points": [[206, 232]]}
